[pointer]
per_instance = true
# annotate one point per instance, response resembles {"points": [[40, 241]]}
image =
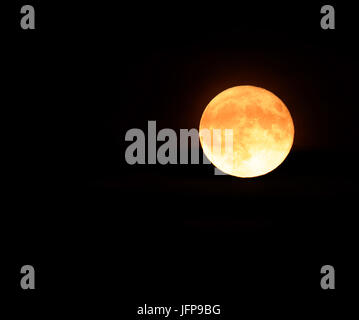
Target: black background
{"points": [[105, 237]]}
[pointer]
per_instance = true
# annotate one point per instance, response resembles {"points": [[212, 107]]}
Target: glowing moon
{"points": [[263, 131]]}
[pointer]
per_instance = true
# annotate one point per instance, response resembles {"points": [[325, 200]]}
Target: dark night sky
{"points": [[92, 71]]}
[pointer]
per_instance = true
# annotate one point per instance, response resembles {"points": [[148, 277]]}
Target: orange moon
{"points": [[260, 127]]}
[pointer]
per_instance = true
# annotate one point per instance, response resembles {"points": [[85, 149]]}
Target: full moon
{"points": [[259, 126]]}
